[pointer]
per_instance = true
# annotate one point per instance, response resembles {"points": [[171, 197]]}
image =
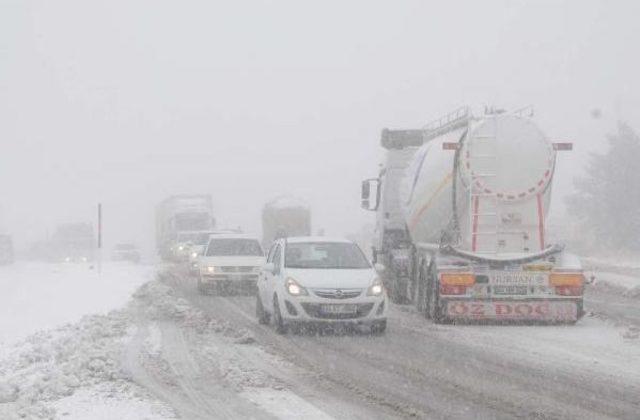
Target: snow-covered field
{"points": [[39, 296]]}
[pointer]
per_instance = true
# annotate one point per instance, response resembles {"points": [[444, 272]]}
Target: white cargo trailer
{"points": [[180, 215], [461, 207]]}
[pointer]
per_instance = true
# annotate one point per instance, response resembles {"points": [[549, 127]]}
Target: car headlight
{"points": [[180, 248], [84, 259], [294, 288], [68, 259], [211, 269], [194, 255], [376, 288]]}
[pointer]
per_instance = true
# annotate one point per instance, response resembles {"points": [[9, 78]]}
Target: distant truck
{"points": [[179, 215], [285, 216], [461, 208], [72, 242], [6, 250]]}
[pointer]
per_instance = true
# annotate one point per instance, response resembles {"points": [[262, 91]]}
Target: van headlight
{"points": [[376, 288], [294, 288], [210, 269]]}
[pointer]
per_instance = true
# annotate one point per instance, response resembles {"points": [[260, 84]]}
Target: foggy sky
{"points": [[126, 102]]}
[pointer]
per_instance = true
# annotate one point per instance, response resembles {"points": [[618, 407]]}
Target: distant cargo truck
{"points": [[179, 215], [285, 216]]}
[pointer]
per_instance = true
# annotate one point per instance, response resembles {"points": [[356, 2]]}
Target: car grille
{"points": [[337, 293], [314, 310], [233, 269]]}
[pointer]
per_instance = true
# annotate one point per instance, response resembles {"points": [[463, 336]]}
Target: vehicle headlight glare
{"points": [[376, 288], [294, 288], [194, 255], [211, 269]]}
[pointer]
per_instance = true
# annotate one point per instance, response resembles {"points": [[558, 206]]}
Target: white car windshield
{"points": [[341, 255], [232, 246]]}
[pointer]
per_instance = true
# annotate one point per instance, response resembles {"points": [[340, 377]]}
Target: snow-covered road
{"points": [[169, 352]]}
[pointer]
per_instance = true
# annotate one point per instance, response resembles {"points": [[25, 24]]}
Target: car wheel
{"points": [[261, 314], [379, 327], [281, 328]]}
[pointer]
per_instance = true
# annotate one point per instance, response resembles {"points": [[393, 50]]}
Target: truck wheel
{"points": [[421, 291], [281, 328], [433, 306], [261, 314]]}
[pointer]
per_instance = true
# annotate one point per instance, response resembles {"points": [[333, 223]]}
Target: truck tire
{"points": [[278, 322], [433, 296], [421, 291], [261, 314]]}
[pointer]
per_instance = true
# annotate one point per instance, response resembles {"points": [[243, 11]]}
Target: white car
{"points": [[319, 280], [197, 247], [230, 262]]}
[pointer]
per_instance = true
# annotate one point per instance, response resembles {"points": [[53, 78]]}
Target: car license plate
{"points": [[510, 290], [339, 309], [513, 310]]}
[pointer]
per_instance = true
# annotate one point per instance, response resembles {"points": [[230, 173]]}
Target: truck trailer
{"points": [[461, 206], [285, 216], [179, 215]]}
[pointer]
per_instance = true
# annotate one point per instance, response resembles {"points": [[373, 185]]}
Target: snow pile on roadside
{"points": [[52, 364], [218, 347]]}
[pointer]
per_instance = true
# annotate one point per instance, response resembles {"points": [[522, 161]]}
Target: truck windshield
{"points": [[234, 247], [342, 255]]}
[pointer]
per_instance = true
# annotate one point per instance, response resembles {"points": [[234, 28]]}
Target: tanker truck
{"points": [[460, 228]]}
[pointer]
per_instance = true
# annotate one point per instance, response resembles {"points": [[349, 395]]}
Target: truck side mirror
{"points": [[370, 194]]}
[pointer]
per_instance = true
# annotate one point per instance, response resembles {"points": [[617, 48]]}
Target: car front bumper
{"points": [[310, 309]]}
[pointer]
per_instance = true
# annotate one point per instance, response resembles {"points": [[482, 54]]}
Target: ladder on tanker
{"points": [[483, 209]]}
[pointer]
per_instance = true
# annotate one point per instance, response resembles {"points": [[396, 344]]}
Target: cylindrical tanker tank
{"points": [[484, 187]]}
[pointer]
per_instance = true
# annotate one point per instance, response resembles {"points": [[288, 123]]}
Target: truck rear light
{"points": [[569, 290], [566, 279], [457, 279], [447, 289]]}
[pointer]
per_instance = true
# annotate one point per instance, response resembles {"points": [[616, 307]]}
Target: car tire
{"points": [[379, 327], [278, 322], [261, 314]]}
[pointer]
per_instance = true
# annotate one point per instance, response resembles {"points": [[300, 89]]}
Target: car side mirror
{"points": [[269, 267], [379, 267]]}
